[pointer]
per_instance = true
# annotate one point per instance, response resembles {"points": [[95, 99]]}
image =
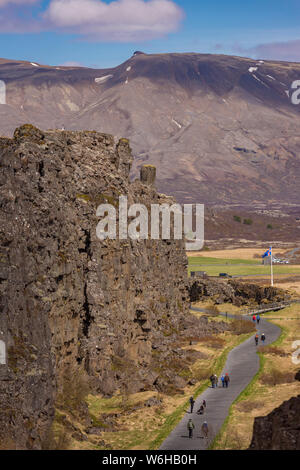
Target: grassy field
{"points": [[238, 267], [272, 385]]}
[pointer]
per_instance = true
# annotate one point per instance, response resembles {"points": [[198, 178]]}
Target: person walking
{"points": [[258, 319], [212, 379], [191, 428], [216, 380], [204, 403], [226, 380], [192, 403], [205, 429], [223, 380], [256, 339], [263, 337], [201, 410], [254, 318]]}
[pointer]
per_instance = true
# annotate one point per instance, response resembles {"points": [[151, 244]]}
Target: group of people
{"points": [[191, 427], [256, 318], [263, 338], [202, 406], [225, 379]]}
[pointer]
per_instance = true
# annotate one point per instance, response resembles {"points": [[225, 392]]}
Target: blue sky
{"points": [[102, 33]]}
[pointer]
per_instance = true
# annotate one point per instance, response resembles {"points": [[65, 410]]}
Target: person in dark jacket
{"points": [[263, 337], [191, 428], [192, 403], [226, 380], [256, 339], [201, 410], [258, 319]]}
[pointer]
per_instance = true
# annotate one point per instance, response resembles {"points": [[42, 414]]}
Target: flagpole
{"points": [[272, 278]]}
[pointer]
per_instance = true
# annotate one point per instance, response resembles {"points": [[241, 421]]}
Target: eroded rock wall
{"points": [[69, 300]]}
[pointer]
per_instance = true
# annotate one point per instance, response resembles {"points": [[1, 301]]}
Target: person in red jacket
{"points": [[226, 380], [254, 318]]}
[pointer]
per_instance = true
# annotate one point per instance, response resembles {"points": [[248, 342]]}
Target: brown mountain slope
{"points": [[221, 129]]}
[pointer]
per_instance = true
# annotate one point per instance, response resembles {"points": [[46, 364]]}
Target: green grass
{"points": [[237, 267], [207, 260]]}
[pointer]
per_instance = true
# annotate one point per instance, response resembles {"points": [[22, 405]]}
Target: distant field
{"points": [[238, 267], [237, 253], [205, 260]]}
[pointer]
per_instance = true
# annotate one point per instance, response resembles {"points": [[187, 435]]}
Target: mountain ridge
{"points": [[221, 129]]}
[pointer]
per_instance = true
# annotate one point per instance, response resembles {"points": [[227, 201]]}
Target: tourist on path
{"points": [[204, 403], [226, 380], [258, 319], [263, 337], [192, 402], [216, 380], [254, 318], [191, 428], [205, 429], [201, 410], [212, 379], [256, 339], [223, 380]]}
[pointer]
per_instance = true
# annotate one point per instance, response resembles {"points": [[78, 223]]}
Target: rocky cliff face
{"points": [[235, 292], [279, 430], [68, 300]]}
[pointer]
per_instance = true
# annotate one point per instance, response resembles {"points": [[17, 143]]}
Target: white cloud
{"points": [[120, 20]]}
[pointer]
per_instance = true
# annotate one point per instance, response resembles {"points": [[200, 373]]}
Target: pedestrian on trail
{"points": [[212, 379], [263, 338], [223, 380], [226, 380], [205, 429], [192, 402], [204, 403], [254, 318], [201, 410], [216, 380], [256, 339], [258, 319], [191, 428]]}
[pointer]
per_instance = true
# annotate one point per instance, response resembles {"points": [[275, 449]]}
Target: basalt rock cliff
{"points": [[279, 430], [70, 302]]}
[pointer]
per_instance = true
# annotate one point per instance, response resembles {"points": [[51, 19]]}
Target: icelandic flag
{"points": [[267, 253]]}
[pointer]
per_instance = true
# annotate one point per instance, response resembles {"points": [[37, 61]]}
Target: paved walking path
{"points": [[242, 364]]}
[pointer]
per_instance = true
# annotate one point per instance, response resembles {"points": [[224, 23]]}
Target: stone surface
{"points": [[236, 292], [70, 301], [279, 430]]}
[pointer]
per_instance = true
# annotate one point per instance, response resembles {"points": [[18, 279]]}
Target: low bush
{"points": [[277, 377], [212, 310], [240, 326], [274, 350]]}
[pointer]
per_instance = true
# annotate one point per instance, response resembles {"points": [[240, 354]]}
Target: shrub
{"points": [[212, 310], [60, 441], [275, 350], [74, 388], [270, 226], [248, 406], [277, 377], [212, 341], [237, 218], [240, 326], [248, 221]]}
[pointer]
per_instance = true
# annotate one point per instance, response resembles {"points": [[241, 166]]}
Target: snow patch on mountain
{"points": [[103, 79]]}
